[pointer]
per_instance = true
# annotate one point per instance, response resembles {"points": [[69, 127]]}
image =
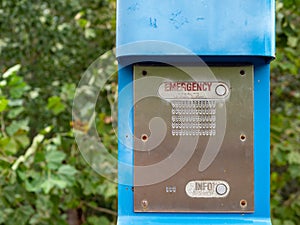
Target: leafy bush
{"points": [[285, 119], [45, 47]]}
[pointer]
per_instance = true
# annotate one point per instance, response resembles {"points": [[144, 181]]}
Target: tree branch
{"points": [[3, 125], [102, 210]]}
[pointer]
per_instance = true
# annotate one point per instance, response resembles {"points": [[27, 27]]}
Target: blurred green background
{"points": [[45, 46]]}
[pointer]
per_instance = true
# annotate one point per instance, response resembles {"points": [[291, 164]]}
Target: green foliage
{"points": [[45, 46], [285, 120]]}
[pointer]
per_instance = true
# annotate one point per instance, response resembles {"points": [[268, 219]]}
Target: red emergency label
{"points": [[194, 90], [188, 86]]}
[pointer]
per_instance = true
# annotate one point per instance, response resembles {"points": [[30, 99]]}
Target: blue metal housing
{"points": [[205, 27], [228, 31]]}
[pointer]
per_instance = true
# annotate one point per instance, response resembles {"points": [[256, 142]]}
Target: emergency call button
{"points": [[221, 90]]}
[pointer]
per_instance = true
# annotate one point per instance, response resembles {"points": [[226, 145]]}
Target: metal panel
{"points": [[185, 161]]}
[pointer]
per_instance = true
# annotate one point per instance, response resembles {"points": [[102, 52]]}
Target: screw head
{"points": [[144, 204], [243, 204]]}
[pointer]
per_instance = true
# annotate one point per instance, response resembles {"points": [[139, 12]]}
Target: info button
{"points": [[221, 189]]}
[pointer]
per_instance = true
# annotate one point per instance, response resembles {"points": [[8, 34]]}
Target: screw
{"points": [[243, 203], [243, 137], [144, 137], [144, 204]]}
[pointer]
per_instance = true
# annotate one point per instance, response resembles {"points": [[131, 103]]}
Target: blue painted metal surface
{"points": [[206, 27], [229, 31], [261, 216]]}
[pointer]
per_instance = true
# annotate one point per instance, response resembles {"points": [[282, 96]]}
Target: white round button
{"points": [[221, 90], [221, 189]]}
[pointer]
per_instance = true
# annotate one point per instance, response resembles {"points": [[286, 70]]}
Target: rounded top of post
{"points": [[205, 28]]}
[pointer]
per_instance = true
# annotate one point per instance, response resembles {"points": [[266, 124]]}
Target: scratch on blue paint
{"points": [[200, 19], [177, 19], [153, 22], [133, 7]]}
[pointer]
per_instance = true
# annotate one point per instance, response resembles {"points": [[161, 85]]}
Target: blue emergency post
{"points": [[155, 36]]}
